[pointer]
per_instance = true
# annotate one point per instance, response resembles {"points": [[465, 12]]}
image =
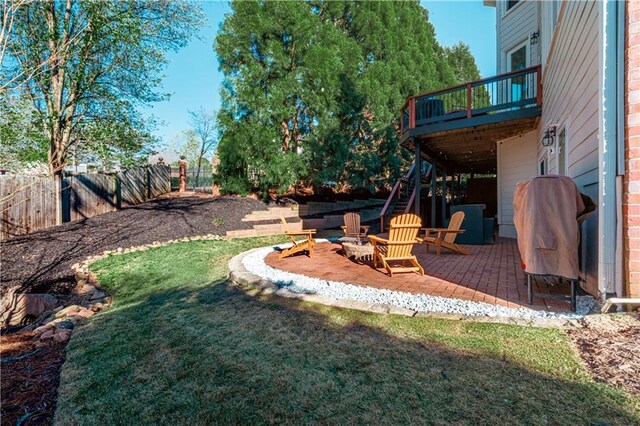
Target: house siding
{"points": [[514, 27], [631, 187], [514, 165], [570, 100]]}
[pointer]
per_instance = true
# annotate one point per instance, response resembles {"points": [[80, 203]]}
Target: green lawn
{"points": [[180, 345]]}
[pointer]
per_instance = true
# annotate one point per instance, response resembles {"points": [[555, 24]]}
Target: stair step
{"points": [[244, 233]]}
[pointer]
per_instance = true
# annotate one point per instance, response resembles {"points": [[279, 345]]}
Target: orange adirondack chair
{"points": [[446, 237], [394, 252], [297, 247], [352, 227]]}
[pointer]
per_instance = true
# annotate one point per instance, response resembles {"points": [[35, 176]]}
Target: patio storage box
{"points": [[473, 223]]}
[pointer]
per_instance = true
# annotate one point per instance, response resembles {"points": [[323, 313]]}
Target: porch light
{"points": [[549, 136], [534, 37]]}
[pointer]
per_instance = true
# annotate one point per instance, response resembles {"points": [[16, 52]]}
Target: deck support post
{"points": [[417, 175], [443, 207], [434, 177]]}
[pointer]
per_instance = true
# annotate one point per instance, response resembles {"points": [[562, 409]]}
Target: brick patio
{"points": [[491, 273]]}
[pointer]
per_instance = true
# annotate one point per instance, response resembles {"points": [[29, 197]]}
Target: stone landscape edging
{"points": [[54, 324], [255, 285]]}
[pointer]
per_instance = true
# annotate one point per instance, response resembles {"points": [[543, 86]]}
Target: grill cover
{"points": [[544, 213]]}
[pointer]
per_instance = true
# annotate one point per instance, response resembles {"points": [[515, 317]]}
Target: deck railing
{"points": [[505, 92], [395, 194]]}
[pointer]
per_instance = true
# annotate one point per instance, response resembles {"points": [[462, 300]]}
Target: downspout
{"points": [[621, 29], [607, 141]]}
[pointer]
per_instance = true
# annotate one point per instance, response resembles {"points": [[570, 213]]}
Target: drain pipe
{"points": [[607, 141]]}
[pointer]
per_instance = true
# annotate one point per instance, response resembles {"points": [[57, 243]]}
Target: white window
{"points": [[561, 154], [517, 59], [543, 167]]}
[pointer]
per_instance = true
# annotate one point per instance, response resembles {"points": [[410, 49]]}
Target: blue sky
{"points": [[193, 80]]}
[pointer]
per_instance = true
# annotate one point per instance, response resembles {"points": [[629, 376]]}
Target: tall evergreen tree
{"points": [[312, 90]]}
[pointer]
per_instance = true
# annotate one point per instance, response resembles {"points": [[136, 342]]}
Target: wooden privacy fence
{"points": [[28, 203]]}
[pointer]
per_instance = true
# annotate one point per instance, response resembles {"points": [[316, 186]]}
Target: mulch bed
{"points": [[611, 352], [41, 262], [30, 378]]}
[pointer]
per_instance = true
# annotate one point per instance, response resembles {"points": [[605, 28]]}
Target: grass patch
{"points": [[180, 345]]}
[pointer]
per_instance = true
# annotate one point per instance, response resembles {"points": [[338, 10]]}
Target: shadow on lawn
{"points": [[216, 355]]}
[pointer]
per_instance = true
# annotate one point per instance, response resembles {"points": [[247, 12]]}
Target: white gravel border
{"points": [[254, 263]]}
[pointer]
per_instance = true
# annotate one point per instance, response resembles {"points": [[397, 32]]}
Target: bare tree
{"points": [[203, 125], [100, 59]]}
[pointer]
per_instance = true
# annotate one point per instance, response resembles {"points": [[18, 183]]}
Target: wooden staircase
{"points": [[402, 197]]}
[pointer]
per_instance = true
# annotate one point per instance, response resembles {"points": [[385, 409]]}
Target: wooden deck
{"points": [[491, 274], [458, 126]]}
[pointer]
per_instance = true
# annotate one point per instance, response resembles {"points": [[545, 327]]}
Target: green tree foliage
{"points": [[464, 68], [462, 62], [22, 139], [115, 141], [312, 90], [86, 61]]}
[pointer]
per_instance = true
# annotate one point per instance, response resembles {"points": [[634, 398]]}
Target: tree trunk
{"points": [[58, 189]]}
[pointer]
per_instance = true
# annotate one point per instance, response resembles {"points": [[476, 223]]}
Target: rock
{"points": [[40, 344], [69, 310], [43, 328], [97, 306], [97, 295], [47, 335], [83, 312], [65, 325], [73, 318], [61, 336], [87, 289], [21, 306]]}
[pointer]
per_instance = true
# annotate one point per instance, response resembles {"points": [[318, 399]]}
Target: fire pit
{"points": [[357, 251]]}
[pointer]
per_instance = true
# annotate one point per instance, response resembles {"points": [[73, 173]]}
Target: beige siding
{"points": [[570, 90], [571, 99], [514, 27], [514, 165]]}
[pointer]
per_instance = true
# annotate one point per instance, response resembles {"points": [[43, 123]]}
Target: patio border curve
{"points": [[257, 286]]}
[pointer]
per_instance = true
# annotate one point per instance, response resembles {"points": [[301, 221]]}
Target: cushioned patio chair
{"points": [[352, 227], [395, 251], [446, 237], [298, 246]]}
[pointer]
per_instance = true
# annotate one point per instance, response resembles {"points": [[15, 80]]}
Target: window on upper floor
{"points": [[512, 3]]}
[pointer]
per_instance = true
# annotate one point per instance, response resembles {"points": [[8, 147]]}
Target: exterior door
{"points": [[517, 59]]}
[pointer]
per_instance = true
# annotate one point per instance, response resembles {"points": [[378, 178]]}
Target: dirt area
{"points": [[30, 378], [610, 348], [41, 262]]}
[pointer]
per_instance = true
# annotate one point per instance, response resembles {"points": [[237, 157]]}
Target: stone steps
{"points": [[314, 207], [369, 210], [337, 220], [272, 213]]}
